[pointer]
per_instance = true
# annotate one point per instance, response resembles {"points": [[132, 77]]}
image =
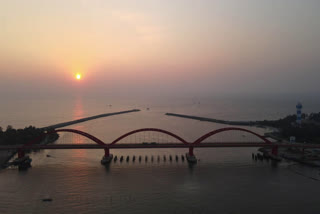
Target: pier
{"points": [[60, 125], [226, 122]]}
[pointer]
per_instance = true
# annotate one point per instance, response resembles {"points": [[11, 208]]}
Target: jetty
{"points": [[234, 123], [60, 125]]}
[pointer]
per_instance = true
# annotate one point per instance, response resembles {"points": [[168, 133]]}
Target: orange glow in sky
{"points": [[179, 46]]}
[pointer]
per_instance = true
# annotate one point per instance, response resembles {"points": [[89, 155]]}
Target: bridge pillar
{"points": [[107, 158], [274, 151], [106, 152], [23, 161], [274, 154], [21, 153], [191, 151], [191, 158]]}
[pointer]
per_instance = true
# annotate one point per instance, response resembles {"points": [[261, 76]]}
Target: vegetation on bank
{"points": [[314, 117], [308, 131], [12, 136]]}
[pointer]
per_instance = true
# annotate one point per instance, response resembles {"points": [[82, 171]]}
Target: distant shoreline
{"points": [[5, 157]]}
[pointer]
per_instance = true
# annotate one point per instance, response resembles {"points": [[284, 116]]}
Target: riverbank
{"points": [[5, 156], [20, 137], [310, 157], [12, 135]]}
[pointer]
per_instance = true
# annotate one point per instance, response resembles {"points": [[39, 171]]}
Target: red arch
{"points": [[89, 136], [201, 139], [148, 130]]}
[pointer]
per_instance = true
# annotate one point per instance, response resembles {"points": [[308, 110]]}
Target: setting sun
{"points": [[78, 76]]}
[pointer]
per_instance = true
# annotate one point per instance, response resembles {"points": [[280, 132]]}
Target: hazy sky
{"points": [[159, 46]]}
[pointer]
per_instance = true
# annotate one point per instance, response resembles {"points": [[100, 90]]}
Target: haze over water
{"points": [[77, 181]]}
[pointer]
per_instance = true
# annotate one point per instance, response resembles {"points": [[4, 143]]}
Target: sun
{"points": [[78, 76]]}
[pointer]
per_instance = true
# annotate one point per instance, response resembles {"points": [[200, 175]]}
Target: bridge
{"points": [[181, 143]]}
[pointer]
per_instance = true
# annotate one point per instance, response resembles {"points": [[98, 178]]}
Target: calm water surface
{"points": [[223, 181]]}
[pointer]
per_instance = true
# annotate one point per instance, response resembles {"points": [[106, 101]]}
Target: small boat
{"points": [[47, 199]]}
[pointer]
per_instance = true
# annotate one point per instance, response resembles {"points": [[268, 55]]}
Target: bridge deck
{"points": [[154, 146]]}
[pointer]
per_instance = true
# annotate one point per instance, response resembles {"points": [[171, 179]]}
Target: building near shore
{"points": [[299, 113]]}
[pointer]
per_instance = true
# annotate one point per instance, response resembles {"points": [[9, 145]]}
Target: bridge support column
{"points": [[274, 154], [191, 151], [274, 151], [191, 158], [23, 161], [106, 152], [21, 153], [107, 158]]}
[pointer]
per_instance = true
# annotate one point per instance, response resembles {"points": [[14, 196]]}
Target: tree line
{"points": [[12, 136], [308, 131]]}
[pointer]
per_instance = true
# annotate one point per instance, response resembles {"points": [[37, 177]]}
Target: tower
{"points": [[299, 107]]}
